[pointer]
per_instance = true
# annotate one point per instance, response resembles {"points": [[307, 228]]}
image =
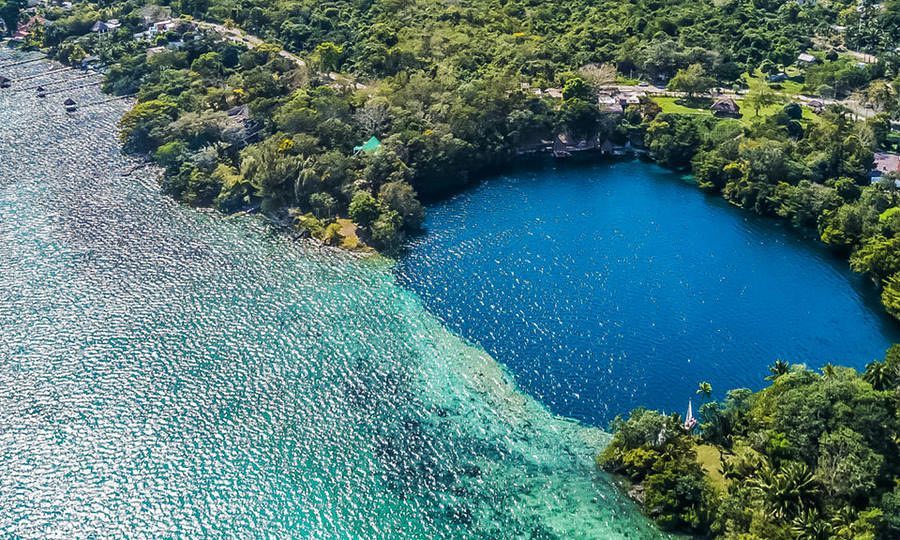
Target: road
{"points": [[239, 36], [857, 108]]}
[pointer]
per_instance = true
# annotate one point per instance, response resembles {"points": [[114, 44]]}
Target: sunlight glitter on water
{"points": [[171, 372]]}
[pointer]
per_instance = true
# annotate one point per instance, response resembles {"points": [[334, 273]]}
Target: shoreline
{"points": [[554, 453]]}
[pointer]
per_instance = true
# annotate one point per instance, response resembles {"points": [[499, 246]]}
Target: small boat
{"points": [[5, 82], [69, 105], [41, 91]]}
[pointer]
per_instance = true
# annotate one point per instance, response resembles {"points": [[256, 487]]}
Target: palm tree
{"points": [[788, 491], [811, 526], [704, 389], [828, 370], [877, 375], [779, 368]]}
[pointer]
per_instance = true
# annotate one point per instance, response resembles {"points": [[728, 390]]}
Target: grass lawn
{"points": [[671, 105], [348, 231], [788, 88], [748, 115], [709, 457]]}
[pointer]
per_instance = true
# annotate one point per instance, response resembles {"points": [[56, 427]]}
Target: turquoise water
{"points": [[169, 372], [609, 286]]}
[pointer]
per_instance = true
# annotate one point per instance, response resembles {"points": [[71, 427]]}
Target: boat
{"points": [[689, 421], [41, 91], [70, 105]]}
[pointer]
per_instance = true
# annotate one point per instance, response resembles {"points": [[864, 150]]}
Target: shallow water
{"points": [[616, 285], [168, 372]]}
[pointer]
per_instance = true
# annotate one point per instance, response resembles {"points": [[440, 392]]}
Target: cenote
{"points": [[610, 286], [168, 372]]}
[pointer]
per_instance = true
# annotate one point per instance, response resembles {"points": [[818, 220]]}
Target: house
{"points": [[777, 77], [554, 93], [610, 104], [103, 27], [161, 27], [817, 106], [805, 59], [884, 163], [369, 147], [156, 28], [725, 107], [89, 61], [630, 99]]}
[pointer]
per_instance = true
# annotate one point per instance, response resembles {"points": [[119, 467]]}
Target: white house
{"points": [[806, 59], [102, 27]]}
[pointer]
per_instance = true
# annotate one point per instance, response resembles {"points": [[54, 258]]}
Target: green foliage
{"points": [[363, 208], [141, 128], [386, 230], [576, 88], [808, 456], [692, 80], [400, 197]]}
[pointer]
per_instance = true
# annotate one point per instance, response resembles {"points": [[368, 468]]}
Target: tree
{"points": [[890, 296], [878, 375], [576, 88], [692, 80], [208, 64], [881, 95], [704, 389], [386, 230], [400, 197], [374, 116], [328, 55], [847, 467], [323, 204], [760, 97], [363, 208], [779, 368], [788, 491], [598, 76], [141, 128]]}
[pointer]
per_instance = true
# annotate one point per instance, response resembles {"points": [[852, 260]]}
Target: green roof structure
{"points": [[369, 147]]}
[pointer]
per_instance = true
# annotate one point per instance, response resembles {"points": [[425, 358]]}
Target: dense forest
{"points": [[813, 455], [448, 89]]}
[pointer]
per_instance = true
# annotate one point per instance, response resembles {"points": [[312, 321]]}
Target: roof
{"points": [[887, 163], [806, 57], [554, 93], [69, 101], [368, 147], [725, 104]]}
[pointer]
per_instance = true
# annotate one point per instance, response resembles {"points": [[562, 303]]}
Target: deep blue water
{"points": [[615, 285]]}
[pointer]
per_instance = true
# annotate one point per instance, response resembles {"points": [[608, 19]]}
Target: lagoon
{"points": [[614, 285]]}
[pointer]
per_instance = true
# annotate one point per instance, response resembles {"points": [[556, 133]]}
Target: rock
{"points": [[636, 492]]}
